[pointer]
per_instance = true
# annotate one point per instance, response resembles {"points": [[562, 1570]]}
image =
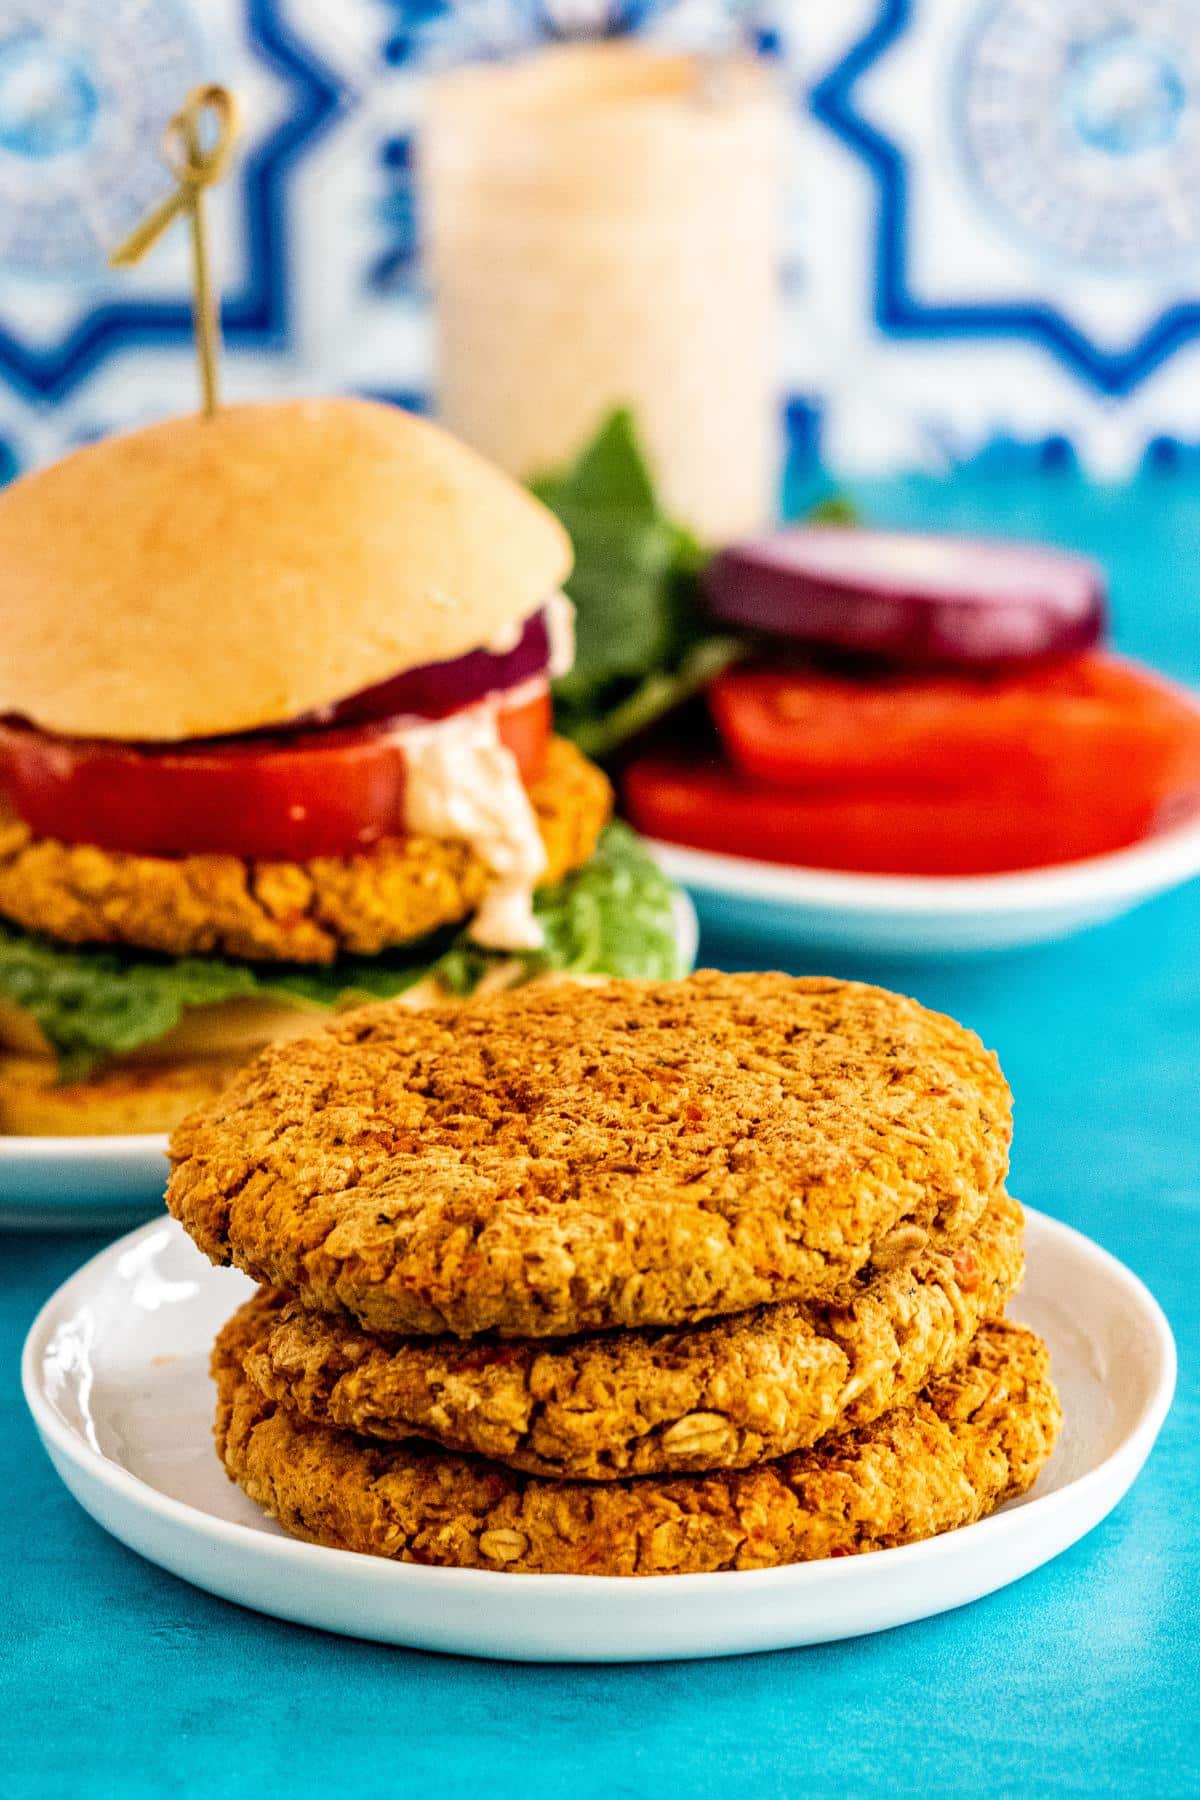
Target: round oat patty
{"points": [[975, 1438], [544, 1163], [394, 893], [718, 1396]]}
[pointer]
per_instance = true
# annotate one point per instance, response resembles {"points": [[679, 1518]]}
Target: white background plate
{"points": [[115, 1374], [908, 915], [54, 1182]]}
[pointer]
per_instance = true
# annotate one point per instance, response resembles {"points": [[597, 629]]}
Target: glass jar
{"points": [[601, 223]]}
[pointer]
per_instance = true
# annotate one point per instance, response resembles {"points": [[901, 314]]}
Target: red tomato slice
{"points": [[1052, 734], [285, 799], [710, 806]]}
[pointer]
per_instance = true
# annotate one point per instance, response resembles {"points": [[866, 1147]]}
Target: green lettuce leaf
{"points": [[643, 644], [615, 916]]}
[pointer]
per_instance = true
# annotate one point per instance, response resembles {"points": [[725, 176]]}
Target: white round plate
{"points": [[116, 1375], [73, 1183], [908, 915]]}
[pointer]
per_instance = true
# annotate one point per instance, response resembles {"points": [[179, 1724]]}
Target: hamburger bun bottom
{"points": [[120, 1099], [149, 1091]]}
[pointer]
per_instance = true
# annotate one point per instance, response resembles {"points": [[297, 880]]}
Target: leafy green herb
{"points": [[614, 916], [835, 509], [643, 644]]}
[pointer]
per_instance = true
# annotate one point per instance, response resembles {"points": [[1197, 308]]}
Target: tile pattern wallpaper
{"points": [[991, 220]]}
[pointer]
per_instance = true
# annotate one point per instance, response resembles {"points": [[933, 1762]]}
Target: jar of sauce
{"points": [[601, 223]]}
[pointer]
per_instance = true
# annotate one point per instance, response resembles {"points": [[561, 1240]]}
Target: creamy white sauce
{"points": [[462, 782], [507, 638], [560, 630]]}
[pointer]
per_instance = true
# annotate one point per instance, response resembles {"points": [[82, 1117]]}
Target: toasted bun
{"points": [[205, 576], [122, 1098], [150, 1090], [226, 1030]]}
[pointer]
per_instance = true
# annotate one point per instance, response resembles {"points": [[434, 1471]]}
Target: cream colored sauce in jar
{"points": [[602, 230]]}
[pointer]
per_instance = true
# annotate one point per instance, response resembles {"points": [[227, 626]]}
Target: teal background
{"points": [[118, 1680]]}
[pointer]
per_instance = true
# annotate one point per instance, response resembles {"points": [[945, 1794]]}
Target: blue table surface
{"points": [[117, 1679]]}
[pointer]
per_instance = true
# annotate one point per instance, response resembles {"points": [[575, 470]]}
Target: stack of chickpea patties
{"points": [[632, 1279]]}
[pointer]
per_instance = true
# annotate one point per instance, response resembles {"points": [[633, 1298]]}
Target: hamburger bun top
{"points": [[212, 575]]}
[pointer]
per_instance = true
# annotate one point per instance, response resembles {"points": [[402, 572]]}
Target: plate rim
{"points": [[1163, 860], [94, 1465], [83, 1149]]}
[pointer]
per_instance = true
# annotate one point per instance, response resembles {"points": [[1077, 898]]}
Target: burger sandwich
{"points": [[275, 737]]}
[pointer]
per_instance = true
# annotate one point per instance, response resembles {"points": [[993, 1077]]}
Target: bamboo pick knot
{"points": [[194, 164], [209, 113], [190, 160]]}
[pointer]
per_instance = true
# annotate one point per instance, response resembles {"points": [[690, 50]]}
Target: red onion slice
{"points": [[922, 601], [440, 688]]}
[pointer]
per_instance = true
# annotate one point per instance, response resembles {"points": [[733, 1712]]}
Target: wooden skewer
{"points": [[196, 166]]}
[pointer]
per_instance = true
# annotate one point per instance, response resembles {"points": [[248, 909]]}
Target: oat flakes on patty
{"points": [[396, 892], [974, 1439], [545, 1163], [719, 1396]]}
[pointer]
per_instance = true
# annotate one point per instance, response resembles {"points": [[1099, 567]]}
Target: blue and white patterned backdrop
{"points": [[993, 215]]}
